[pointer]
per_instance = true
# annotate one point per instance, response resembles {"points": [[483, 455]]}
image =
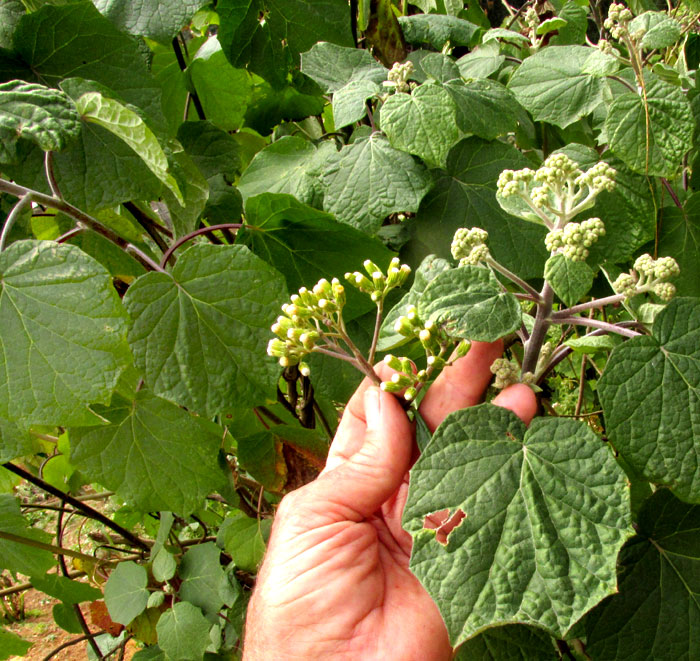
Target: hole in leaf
{"points": [[443, 524]]}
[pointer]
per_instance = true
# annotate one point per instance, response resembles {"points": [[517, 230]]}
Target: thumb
{"points": [[359, 486]]}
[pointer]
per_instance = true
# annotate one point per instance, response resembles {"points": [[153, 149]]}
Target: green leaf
{"points": [[574, 32], [202, 575], [333, 66], [164, 527], [551, 25], [65, 617], [514, 642], [224, 91], [651, 138], [465, 196], [570, 280], [367, 180], [436, 30], [656, 615], [547, 509], [428, 270], [161, 22], [129, 127], [155, 455], [125, 592], [440, 67], [506, 35], [213, 150], [484, 108], [18, 557], [12, 645], [660, 29], [471, 304], [679, 236], [350, 102], [290, 165], [11, 11], [649, 392], [183, 632], [594, 344], [163, 565], [423, 123], [561, 84], [306, 245], [261, 456], [244, 540], [85, 44], [482, 61], [15, 441], [63, 334], [196, 333], [45, 116], [64, 589], [271, 47]]}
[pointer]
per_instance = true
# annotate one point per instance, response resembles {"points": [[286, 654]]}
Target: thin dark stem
{"points": [[322, 419], [596, 303], [153, 228], [76, 608], [581, 381], [671, 192], [65, 207], [622, 81], [595, 323], [79, 505], [70, 234], [269, 415], [51, 548], [51, 176], [183, 65], [11, 219], [192, 235], [144, 258], [62, 646], [534, 294]]}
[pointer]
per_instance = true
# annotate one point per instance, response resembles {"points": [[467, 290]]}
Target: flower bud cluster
{"points": [[469, 245], [618, 19], [507, 372], [575, 239], [430, 334], [559, 189], [375, 283], [649, 275], [398, 76], [298, 330]]}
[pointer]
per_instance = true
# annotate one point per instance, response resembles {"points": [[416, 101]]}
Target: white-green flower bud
{"points": [[425, 335], [388, 386], [401, 379], [370, 267], [304, 369], [410, 394], [422, 376], [625, 284], [462, 348], [665, 290], [644, 264], [665, 268], [276, 348], [436, 362], [392, 361], [404, 327]]}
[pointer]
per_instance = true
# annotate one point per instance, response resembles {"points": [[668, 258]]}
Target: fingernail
{"points": [[372, 408]]}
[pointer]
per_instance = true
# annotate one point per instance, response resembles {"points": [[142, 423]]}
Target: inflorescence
{"points": [[649, 275]]}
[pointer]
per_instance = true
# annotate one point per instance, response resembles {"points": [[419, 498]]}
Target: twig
{"points": [[192, 235], [70, 234], [153, 228], [62, 646], [375, 335], [534, 294], [582, 376], [144, 258], [183, 65], [622, 81], [595, 323], [79, 505], [671, 192], [596, 303]]}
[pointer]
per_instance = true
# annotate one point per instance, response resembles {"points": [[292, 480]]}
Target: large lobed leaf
{"points": [[650, 392], [155, 455], [546, 511], [63, 334], [199, 334], [656, 614]]}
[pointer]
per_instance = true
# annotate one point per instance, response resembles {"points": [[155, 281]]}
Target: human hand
{"points": [[335, 582]]}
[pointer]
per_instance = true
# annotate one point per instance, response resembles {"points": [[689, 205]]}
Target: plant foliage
{"points": [[171, 172]]}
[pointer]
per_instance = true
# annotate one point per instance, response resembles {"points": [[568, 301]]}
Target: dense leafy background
{"points": [[191, 164]]}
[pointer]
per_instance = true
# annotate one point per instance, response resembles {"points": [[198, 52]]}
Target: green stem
{"points": [[377, 327], [595, 323]]}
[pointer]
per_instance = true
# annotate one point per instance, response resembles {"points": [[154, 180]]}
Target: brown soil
{"points": [[39, 628]]}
